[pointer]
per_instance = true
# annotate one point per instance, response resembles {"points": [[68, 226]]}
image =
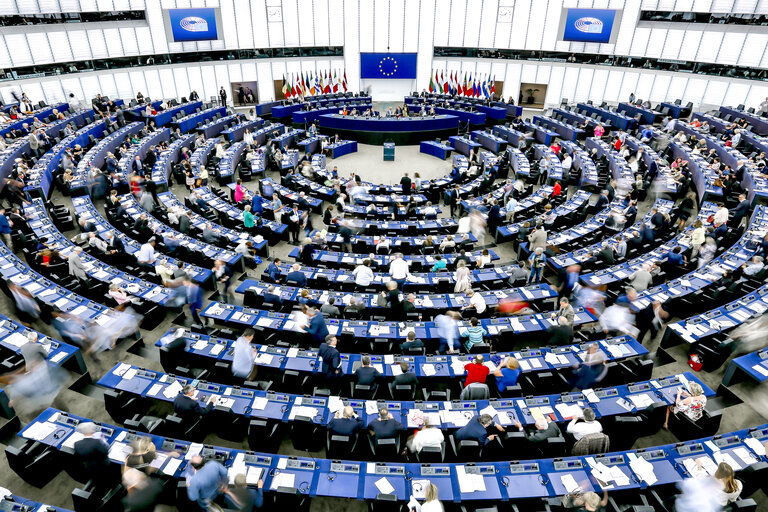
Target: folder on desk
{"points": [[470, 482]]}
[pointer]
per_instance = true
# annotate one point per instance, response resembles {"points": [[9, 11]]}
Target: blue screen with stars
{"points": [[387, 65]]}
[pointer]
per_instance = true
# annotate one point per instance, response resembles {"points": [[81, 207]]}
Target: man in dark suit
{"points": [[93, 453], [183, 223], [602, 201], [331, 359], [345, 422], [405, 182], [367, 375], [270, 297], [411, 342], [115, 246], [477, 430], [739, 212], [187, 408], [296, 277], [544, 430], [406, 377], [385, 426]]}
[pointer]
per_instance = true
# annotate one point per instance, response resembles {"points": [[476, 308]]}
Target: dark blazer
{"points": [[741, 210], [298, 277], [331, 359], [386, 429], [116, 244], [345, 426], [188, 409], [560, 334], [538, 436], [473, 431], [367, 375], [93, 454], [405, 379]]}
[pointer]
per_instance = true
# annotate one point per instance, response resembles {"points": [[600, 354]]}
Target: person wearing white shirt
{"points": [[670, 126], [586, 424], [146, 254], [430, 210], [431, 503], [363, 274], [398, 270], [567, 163], [721, 215], [427, 436], [476, 302], [248, 137]]}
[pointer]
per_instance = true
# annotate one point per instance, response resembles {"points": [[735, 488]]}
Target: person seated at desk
{"points": [[385, 426], [507, 374], [406, 377], [475, 333], [583, 425], [366, 375], [345, 422], [543, 430], [476, 302], [587, 502], [754, 267], [690, 402], [296, 277], [411, 342], [329, 309], [427, 436], [476, 370], [477, 430], [189, 409], [674, 259]]}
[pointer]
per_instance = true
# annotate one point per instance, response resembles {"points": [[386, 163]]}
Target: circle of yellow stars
{"points": [[381, 66]]}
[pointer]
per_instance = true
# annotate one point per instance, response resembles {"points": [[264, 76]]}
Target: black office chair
{"points": [[431, 454], [465, 450], [263, 435], [363, 392], [385, 503], [402, 391], [385, 449], [305, 434]]}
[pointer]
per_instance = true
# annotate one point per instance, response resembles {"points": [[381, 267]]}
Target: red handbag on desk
{"points": [[696, 362]]}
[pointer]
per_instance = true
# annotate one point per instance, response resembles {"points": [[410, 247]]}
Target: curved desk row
{"points": [[516, 480], [341, 279], [97, 155], [84, 209], [607, 403], [161, 171], [576, 257], [351, 259], [497, 328], [427, 303], [236, 132], [588, 175], [232, 217]]}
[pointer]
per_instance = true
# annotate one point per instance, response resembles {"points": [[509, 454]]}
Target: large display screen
{"points": [[193, 24], [589, 25], [387, 65]]}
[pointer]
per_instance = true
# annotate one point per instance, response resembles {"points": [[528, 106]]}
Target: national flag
{"points": [[493, 86], [328, 79], [303, 85], [297, 87], [453, 82], [344, 83], [432, 82], [445, 81], [474, 88], [335, 82], [463, 87], [286, 89], [318, 86], [321, 83]]}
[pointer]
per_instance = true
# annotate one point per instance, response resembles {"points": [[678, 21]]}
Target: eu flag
{"points": [[387, 65]]}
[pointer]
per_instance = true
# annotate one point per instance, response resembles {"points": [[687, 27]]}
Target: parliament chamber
{"points": [[383, 255]]}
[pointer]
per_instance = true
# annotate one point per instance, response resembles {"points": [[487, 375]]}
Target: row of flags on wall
{"points": [[310, 84], [452, 83]]}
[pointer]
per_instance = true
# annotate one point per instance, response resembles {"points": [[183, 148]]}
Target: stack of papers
{"points": [[428, 369], [569, 483], [172, 466], [643, 469], [39, 431], [71, 440], [724, 457], [283, 480], [591, 396], [469, 482], [119, 451], [173, 390], [568, 411], [755, 445], [642, 400], [302, 410]]}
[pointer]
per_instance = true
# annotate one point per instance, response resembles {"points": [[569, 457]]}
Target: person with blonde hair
{"points": [[690, 402], [461, 276], [507, 374], [431, 503]]}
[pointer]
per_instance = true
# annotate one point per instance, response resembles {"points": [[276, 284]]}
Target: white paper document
{"points": [[383, 485], [283, 480], [469, 482]]}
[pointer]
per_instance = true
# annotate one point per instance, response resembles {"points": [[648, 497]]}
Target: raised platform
{"points": [[369, 130]]}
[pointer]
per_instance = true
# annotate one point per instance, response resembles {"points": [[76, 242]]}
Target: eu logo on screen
{"points": [[387, 65], [589, 25], [193, 24]]}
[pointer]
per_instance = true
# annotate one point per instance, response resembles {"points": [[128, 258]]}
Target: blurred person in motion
{"points": [[477, 226], [27, 308], [121, 321], [699, 495], [589, 501], [142, 491], [592, 370], [35, 386], [206, 481], [750, 336], [242, 498]]}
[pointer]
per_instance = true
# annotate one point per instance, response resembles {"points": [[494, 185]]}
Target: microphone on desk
{"points": [[543, 480]]}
